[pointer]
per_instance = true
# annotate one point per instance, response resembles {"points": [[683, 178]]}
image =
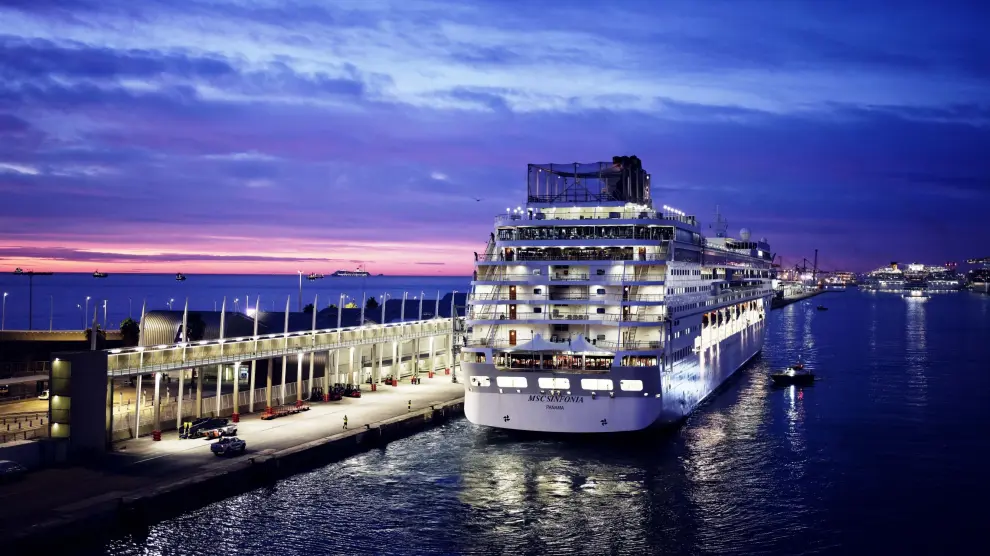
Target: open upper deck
{"points": [[622, 181]]}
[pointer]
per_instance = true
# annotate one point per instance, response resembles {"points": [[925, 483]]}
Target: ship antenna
{"points": [[721, 224]]}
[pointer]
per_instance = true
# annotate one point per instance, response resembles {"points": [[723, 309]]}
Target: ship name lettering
{"points": [[555, 399]]}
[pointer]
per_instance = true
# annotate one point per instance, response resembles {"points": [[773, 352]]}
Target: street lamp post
{"points": [[85, 310], [105, 314], [82, 317], [3, 316], [384, 300], [300, 290], [453, 321], [171, 300], [31, 274], [51, 312], [130, 308]]}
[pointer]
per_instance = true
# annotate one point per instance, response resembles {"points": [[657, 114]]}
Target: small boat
{"points": [[99, 274], [179, 276], [793, 376], [916, 294], [18, 270], [822, 308], [314, 276]]}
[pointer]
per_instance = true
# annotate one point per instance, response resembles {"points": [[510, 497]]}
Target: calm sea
{"points": [[60, 299], [885, 455]]}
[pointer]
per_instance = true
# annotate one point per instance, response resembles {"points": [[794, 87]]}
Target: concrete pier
{"points": [[144, 481]]}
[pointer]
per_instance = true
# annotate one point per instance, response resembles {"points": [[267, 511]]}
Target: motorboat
{"points": [[822, 308], [796, 375], [179, 277], [99, 274]]}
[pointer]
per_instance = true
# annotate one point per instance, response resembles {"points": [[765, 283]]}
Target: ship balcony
{"points": [[493, 317], [577, 298], [614, 215], [490, 277], [649, 253], [627, 346]]}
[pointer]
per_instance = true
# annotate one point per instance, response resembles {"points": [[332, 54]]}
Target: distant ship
{"points": [[314, 276], [99, 274], [351, 274], [179, 276]]}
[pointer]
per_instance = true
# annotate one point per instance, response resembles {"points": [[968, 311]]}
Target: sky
{"points": [[229, 136]]}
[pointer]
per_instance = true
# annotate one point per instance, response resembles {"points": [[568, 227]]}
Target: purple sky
{"points": [[273, 136]]}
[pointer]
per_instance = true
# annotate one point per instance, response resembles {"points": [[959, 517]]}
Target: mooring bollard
{"points": [[409, 406]]}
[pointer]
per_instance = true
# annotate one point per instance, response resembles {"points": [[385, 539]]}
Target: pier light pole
{"points": [[130, 308], [171, 300], [51, 312], [3, 315], [300, 290], [85, 312], [31, 274], [105, 314], [453, 321], [82, 317], [421, 296], [385, 297]]}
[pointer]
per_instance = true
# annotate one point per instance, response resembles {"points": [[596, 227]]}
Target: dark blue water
{"points": [[886, 455], [60, 299]]}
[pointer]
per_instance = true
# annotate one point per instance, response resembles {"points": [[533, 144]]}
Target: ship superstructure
{"points": [[978, 279], [593, 311], [914, 276]]}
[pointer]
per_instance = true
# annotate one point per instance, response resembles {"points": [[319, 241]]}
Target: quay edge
{"points": [[102, 516]]}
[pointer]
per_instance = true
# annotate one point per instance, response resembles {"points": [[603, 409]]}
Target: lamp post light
{"points": [[171, 300], [85, 310], [105, 314], [385, 298], [236, 299], [300, 290], [453, 321], [3, 315]]}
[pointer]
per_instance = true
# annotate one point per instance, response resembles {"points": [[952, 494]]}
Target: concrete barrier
{"points": [[113, 512]]}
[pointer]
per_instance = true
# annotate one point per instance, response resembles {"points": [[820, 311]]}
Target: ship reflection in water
{"points": [[885, 441]]}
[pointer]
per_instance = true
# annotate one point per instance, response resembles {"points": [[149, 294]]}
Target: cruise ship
{"points": [[978, 279], [593, 311], [886, 278]]}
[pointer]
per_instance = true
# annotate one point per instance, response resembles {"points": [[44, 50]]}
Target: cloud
{"points": [[326, 124]]}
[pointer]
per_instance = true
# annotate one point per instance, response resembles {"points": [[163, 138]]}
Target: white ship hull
{"points": [[681, 391]]}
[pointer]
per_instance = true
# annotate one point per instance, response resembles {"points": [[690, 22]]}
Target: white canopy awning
{"points": [[582, 345], [538, 343]]}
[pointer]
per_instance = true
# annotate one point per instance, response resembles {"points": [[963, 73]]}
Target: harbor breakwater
{"points": [[104, 515]]}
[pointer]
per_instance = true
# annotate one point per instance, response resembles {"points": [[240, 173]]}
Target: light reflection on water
{"points": [[832, 468]]}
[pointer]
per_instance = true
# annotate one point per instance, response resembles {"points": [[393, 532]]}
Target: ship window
{"points": [[554, 383], [601, 310], [630, 385], [601, 291], [600, 272], [537, 309], [537, 291], [511, 382], [481, 381], [596, 384]]}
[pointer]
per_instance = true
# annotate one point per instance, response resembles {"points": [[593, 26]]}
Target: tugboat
{"points": [[794, 376], [99, 274], [179, 277]]}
